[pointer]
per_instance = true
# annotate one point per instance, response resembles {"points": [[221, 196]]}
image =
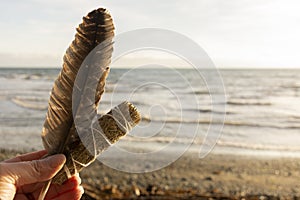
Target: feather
{"points": [[72, 125], [96, 27]]}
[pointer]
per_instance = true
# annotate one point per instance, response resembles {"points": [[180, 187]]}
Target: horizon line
{"points": [[176, 67]]}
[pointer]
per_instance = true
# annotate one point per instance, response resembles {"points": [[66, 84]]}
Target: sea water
{"points": [[261, 115]]}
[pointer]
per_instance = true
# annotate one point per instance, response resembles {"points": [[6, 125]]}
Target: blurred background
{"points": [[254, 46]]}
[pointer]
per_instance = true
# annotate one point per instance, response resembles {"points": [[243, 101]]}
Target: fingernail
{"points": [[78, 178], [56, 160], [75, 179], [81, 189]]}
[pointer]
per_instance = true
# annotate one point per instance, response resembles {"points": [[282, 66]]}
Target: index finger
{"points": [[27, 157]]}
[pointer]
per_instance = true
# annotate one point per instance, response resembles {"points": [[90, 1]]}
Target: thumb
{"points": [[37, 170]]}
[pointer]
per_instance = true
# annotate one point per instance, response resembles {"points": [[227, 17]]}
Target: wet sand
{"points": [[214, 177]]}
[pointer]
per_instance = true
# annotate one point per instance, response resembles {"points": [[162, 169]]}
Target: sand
{"points": [[214, 177]]}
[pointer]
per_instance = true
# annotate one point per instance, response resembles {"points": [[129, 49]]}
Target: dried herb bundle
{"points": [[68, 128]]}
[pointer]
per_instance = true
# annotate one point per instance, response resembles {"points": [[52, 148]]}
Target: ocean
{"points": [[261, 115]]}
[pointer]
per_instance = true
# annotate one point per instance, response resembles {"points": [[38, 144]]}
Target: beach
{"points": [[256, 153], [217, 176], [214, 177], [166, 100]]}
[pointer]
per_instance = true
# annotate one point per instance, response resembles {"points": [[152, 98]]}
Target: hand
{"points": [[22, 178]]}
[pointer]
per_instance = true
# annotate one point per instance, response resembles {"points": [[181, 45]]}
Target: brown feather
{"points": [[97, 26]]}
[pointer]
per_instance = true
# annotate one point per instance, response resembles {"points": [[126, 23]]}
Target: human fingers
{"points": [[23, 173], [27, 157], [71, 184], [54, 189], [74, 194]]}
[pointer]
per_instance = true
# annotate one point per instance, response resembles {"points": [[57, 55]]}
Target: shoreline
{"points": [[216, 176], [193, 149]]}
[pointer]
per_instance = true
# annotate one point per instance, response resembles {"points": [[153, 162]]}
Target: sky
{"points": [[234, 33]]}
